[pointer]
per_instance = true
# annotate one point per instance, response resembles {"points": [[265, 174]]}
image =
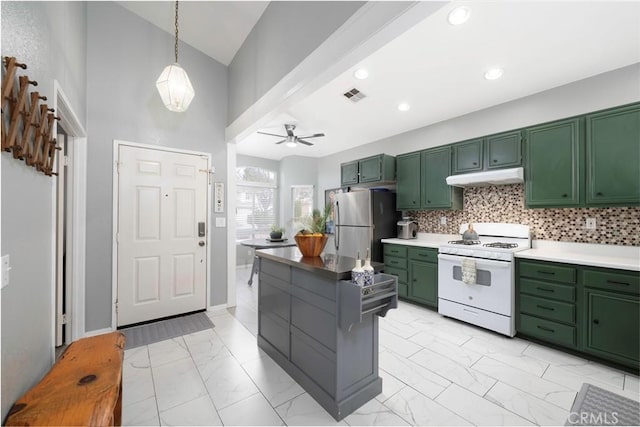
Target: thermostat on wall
{"points": [[218, 197]]}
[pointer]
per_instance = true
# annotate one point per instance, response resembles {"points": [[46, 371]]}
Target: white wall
{"points": [[50, 37], [126, 56], [610, 89]]}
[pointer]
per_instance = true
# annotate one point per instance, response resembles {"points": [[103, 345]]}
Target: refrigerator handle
{"points": [[336, 240]]}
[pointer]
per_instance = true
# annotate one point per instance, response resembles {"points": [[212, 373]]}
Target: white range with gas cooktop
{"points": [[476, 278]]}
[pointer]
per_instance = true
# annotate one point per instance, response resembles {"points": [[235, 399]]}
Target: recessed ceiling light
{"points": [[459, 15], [493, 73], [361, 74], [404, 107]]}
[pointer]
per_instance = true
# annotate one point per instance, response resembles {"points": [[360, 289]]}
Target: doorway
{"points": [[161, 232]]}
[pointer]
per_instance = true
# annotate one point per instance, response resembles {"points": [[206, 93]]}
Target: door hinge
{"points": [[66, 161], [116, 306], [117, 237], [64, 319]]}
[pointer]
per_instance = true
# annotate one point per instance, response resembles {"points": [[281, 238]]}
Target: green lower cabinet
{"points": [[423, 282], [611, 328]]}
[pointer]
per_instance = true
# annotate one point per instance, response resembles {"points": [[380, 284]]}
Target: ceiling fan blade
{"points": [[304, 142], [289, 129], [280, 142], [315, 135], [272, 134]]}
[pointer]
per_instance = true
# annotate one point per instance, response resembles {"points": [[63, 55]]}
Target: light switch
{"points": [[443, 220], [221, 222], [6, 267], [590, 224]]}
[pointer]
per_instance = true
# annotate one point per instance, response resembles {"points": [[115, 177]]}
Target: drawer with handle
{"points": [[622, 281], [400, 274], [395, 250], [556, 291], [552, 272], [552, 310], [395, 262], [423, 254], [548, 330]]}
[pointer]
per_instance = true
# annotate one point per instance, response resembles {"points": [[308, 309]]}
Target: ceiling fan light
{"points": [[175, 88], [291, 144]]}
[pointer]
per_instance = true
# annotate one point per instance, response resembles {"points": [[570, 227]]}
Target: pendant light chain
{"points": [[176, 31]]}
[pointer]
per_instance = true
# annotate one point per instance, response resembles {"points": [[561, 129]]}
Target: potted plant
{"points": [[276, 232], [312, 239]]}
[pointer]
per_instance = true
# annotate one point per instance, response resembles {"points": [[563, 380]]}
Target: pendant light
{"points": [[173, 84]]}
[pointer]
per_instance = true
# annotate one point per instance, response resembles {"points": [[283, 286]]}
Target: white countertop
{"points": [[595, 255], [425, 240]]}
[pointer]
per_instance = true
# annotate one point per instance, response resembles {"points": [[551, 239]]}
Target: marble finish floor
{"points": [[435, 371]]}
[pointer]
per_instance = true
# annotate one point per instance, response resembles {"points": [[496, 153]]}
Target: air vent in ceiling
{"points": [[354, 95]]}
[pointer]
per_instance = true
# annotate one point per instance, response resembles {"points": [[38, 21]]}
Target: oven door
{"points": [[493, 290]]}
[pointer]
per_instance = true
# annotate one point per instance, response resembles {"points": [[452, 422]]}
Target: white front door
{"points": [[162, 216]]}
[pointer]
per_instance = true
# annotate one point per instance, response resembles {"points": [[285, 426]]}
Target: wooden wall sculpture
{"points": [[27, 124]]}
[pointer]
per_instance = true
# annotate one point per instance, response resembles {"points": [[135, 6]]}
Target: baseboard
{"points": [[217, 307], [97, 332]]}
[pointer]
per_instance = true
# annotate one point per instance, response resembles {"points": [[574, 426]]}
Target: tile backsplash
{"points": [[505, 203]]}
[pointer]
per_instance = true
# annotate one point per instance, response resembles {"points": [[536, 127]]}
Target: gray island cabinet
{"points": [[322, 329]]}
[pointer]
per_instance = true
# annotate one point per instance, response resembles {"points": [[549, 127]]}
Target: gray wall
{"points": [[244, 254], [295, 170], [287, 32], [51, 39], [610, 89], [126, 56]]}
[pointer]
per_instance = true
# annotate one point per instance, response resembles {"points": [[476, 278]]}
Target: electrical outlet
{"points": [[590, 224], [443, 220]]}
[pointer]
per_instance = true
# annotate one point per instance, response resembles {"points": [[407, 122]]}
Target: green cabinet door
{"points": [[370, 169], [408, 181], [504, 150], [423, 282], [552, 172], [349, 173], [467, 156], [613, 157], [435, 168], [611, 328]]}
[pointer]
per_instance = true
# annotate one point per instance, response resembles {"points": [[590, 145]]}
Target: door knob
{"points": [[201, 243]]}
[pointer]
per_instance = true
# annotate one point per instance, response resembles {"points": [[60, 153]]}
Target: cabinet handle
{"points": [[475, 163], [599, 193], [565, 195], [596, 322], [545, 289], [546, 329], [545, 307], [546, 272], [495, 161], [428, 201], [615, 282], [421, 254]]}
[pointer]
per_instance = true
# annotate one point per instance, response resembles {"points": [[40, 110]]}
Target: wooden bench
{"points": [[84, 388]]}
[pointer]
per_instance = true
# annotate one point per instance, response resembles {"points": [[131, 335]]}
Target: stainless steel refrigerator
{"points": [[362, 219]]}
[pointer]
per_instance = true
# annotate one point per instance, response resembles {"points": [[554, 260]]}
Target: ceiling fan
{"points": [[291, 139]]}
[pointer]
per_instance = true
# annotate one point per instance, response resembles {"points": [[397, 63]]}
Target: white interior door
{"points": [[162, 262]]}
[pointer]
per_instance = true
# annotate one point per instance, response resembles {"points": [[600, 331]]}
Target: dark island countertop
{"points": [[330, 266]]}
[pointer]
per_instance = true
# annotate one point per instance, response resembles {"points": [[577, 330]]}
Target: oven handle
{"points": [[479, 261]]}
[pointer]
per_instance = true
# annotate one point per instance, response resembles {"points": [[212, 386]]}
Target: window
{"points": [[301, 204], [256, 193]]}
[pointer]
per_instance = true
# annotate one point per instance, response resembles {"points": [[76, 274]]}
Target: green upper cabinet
{"points": [[379, 168], [408, 181], [504, 150], [349, 173], [435, 168], [552, 172], [613, 157], [467, 156]]}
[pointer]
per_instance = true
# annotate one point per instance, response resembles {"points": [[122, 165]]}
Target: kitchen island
{"points": [[320, 328]]}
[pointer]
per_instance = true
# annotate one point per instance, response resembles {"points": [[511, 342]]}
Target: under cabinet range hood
{"points": [[494, 177]]}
